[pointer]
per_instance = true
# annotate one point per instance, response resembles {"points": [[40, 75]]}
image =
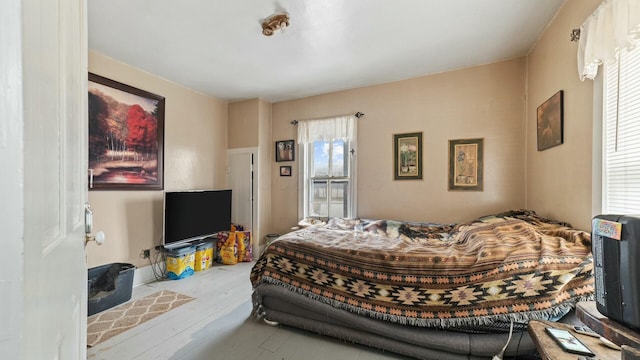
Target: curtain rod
{"points": [[358, 115]]}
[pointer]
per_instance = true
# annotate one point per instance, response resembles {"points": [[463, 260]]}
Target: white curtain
{"points": [[613, 26], [341, 127]]}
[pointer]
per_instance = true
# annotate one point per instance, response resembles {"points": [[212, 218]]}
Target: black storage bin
{"points": [[109, 285]]}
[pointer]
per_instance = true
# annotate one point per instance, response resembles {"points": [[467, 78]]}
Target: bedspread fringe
{"points": [[551, 314]]}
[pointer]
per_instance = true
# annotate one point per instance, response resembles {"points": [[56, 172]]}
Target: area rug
{"points": [[107, 324]]}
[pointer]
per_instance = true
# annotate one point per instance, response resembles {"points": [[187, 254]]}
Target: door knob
{"points": [[99, 238], [88, 227]]}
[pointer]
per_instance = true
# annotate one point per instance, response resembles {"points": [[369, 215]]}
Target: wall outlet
{"points": [[146, 253]]}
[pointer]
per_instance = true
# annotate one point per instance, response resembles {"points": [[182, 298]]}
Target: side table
{"points": [[550, 350], [588, 313]]}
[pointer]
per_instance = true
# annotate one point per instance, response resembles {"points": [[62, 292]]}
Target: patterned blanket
{"points": [[510, 266]]}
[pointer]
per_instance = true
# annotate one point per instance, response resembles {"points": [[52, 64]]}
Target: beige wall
{"points": [[481, 102], [195, 143], [559, 179], [264, 171], [243, 124]]}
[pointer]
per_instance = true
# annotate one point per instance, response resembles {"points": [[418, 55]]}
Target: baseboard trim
{"points": [[144, 275]]}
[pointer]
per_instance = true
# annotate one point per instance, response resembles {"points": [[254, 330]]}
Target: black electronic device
{"points": [[616, 252], [568, 342], [194, 215]]}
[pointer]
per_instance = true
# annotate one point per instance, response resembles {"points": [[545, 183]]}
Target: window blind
{"points": [[621, 135]]}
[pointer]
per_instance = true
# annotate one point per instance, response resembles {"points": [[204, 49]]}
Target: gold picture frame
{"points": [[466, 164], [407, 156]]}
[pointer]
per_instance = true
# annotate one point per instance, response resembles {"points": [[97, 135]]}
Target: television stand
{"points": [[588, 313]]}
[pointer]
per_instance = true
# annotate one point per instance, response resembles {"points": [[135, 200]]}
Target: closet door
{"points": [[240, 180]]}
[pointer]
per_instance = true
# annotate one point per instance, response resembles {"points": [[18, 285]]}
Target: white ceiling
{"points": [[216, 46]]}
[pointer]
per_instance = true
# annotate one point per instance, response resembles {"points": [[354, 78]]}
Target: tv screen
{"points": [[193, 215]]}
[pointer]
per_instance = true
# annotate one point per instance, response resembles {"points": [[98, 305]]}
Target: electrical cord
{"points": [[501, 354], [518, 347], [159, 271]]}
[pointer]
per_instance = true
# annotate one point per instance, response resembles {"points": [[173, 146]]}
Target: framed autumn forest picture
{"points": [[126, 136]]}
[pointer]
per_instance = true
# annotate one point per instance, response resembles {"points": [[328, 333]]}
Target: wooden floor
{"points": [[218, 325]]}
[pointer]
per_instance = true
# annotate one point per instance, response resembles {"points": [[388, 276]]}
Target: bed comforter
{"points": [[475, 276]]}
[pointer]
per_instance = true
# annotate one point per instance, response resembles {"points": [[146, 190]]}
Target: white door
{"points": [[46, 131], [240, 180]]}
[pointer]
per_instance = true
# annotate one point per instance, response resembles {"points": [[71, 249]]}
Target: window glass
{"points": [[318, 199], [338, 165], [339, 198], [321, 158]]}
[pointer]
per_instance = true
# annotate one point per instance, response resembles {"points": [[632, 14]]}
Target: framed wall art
{"points": [[285, 170], [126, 136], [550, 122], [407, 156], [285, 150], [465, 164]]}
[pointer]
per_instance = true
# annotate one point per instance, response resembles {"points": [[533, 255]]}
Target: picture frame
{"points": [[407, 156], [126, 136], [550, 122], [285, 150], [466, 164], [285, 170]]}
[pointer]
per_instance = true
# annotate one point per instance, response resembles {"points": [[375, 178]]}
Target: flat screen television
{"points": [[194, 215]]}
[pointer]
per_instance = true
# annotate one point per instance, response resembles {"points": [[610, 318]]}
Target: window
{"points": [[328, 179], [327, 187], [621, 134]]}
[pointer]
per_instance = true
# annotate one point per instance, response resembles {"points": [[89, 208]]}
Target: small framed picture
{"points": [[550, 122], [285, 170], [407, 156], [465, 164], [285, 150]]}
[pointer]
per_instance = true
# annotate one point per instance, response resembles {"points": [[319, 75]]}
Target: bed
{"points": [[428, 291]]}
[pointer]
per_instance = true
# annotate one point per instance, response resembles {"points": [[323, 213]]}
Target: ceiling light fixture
{"points": [[275, 22]]}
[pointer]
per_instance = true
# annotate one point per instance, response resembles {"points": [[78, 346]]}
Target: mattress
{"points": [[429, 291]]}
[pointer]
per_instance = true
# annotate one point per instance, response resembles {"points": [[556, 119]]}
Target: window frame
{"points": [[306, 179]]}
